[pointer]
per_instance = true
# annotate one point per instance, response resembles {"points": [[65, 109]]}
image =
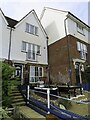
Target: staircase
{"points": [[17, 98]]}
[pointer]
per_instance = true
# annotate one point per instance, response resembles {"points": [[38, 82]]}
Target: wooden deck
{"points": [[68, 89]]}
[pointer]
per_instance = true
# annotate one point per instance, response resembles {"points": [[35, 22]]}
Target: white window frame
{"points": [[24, 46], [38, 50], [31, 52], [33, 76], [80, 29], [32, 29], [82, 48]]}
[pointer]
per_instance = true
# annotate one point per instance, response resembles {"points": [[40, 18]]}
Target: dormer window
{"points": [[80, 29], [31, 29]]}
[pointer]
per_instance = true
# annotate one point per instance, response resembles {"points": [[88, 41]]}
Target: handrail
{"points": [[54, 109]]}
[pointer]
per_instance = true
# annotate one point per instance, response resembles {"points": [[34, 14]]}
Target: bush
{"points": [[7, 82]]}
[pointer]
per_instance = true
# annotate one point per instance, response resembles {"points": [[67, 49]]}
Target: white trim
{"points": [[2, 14], [36, 17], [78, 60], [79, 22], [19, 61]]}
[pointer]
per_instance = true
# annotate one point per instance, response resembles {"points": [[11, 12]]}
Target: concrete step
{"points": [[15, 94], [19, 103], [17, 100]]}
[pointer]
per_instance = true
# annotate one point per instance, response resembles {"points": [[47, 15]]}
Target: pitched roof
{"points": [[78, 19], [69, 13], [11, 22]]}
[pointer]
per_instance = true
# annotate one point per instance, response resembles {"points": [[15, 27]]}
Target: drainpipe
{"points": [[69, 64], [80, 73], [9, 52], [48, 69]]}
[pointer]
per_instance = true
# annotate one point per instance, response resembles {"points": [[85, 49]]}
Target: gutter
{"points": [[9, 51]]}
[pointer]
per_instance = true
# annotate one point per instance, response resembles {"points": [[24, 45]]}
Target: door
{"points": [[77, 73], [18, 71]]}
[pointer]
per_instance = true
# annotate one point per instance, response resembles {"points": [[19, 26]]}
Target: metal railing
{"points": [[60, 113]]}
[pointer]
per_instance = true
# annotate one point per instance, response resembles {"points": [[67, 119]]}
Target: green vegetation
{"points": [[8, 83], [4, 114], [86, 76]]}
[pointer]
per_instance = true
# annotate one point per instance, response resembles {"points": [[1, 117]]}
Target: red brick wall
{"points": [[88, 55], [58, 59]]}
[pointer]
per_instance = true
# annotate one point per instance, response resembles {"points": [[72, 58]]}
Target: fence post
{"points": [[27, 94], [48, 99]]}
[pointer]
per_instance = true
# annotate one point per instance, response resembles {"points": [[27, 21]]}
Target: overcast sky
{"points": [[17, 9]]}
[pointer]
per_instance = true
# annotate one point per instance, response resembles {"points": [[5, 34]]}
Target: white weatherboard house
{"points": [[69, 43], [24, 42]]}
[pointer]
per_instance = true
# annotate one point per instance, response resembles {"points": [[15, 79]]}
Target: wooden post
{"points": [[27, 94], [68, 92], [48, 99]]}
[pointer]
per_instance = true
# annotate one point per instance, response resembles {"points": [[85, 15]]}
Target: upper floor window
{"points": [[38, 50], [32, 50], [83, 50], [31, 29], [23, 46], [80, 29]]}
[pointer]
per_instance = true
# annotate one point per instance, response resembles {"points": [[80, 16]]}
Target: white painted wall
{"points": [[72, 29], [20, 35], [4, 38], [53, 22]]}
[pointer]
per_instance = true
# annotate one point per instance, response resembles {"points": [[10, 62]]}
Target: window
{"points": [[35, 73], [80, 29], [36, 30], [23, 46], [83, 50], [31, 49], [31, 29], [38, 50], [31, 54]]}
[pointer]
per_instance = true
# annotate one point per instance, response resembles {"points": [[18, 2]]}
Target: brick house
{"points": [[24, 43], [68, 44]]}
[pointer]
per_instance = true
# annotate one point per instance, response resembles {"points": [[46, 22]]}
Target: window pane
{"points": [[78, 46], [85, 48], [23, 46], [36, 30], [27, 27], [32, 29], [40, 71], [36, 71], [38, 49], [29, 47], [32, 71], [83, 55], [80, 28]]}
